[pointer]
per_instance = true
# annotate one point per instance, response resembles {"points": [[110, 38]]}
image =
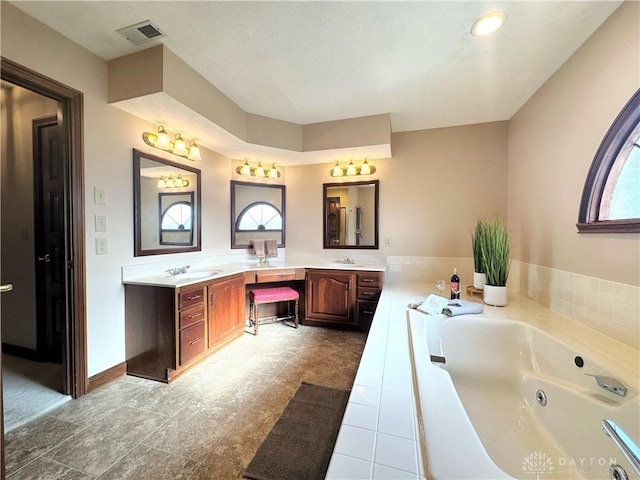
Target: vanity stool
{"points": [[272, 295]]}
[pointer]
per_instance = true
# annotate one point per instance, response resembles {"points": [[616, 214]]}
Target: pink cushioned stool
{"points": [[272, 295]]}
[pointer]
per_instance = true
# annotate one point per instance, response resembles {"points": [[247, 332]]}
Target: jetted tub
{"points": [[481, 414]]}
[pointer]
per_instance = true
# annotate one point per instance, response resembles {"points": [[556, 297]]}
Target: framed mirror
{"points": [[166, 206], [257, 212], [350, 214]]}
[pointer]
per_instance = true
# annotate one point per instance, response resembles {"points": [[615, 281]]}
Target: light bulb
{"points": [[194, 152], [364, 169], [488, 23], [259, 170], [336, 171], [179, 146], [169, 183], [245, 169], [162, 140], [273, 173], [161, 183], [351, 169]]}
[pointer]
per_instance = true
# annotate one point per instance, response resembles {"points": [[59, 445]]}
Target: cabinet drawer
{"points": [[191, 316], [276, 276], [368, 293], [369, 280], [192, 342], [191, 297], [365, 312]]}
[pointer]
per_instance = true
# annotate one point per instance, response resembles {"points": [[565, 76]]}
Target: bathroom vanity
{"points": [[173, 322], [168, 329]]}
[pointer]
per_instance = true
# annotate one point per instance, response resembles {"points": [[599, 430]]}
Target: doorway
{"points": [[66, 307]]}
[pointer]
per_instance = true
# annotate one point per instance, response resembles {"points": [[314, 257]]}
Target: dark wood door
{"points": [[50, 241], [226, 309], [330, 296]]}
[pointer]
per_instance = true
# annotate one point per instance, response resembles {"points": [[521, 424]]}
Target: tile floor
{"points": [[205, 425]]}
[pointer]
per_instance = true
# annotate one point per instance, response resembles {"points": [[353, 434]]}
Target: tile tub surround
{"points": [[380, 435], [205, 425]]}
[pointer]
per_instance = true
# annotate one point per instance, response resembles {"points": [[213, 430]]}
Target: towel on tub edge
{"points": [[461, 307]]}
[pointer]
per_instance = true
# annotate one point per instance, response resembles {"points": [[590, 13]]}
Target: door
{"points": [[50, 237], [226, 309], [330, 296]]}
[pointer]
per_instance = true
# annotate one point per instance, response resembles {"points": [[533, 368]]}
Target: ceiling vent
{"points": [[141, 32]]}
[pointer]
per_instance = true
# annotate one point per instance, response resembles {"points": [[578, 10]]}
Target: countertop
{"points": [[145, 275]]}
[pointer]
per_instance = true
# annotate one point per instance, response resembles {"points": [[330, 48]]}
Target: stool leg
{"points": [[255, 319], [296, 314]]}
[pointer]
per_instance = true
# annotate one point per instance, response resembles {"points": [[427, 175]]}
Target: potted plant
{"points": [[494, 246], [479, 277]]}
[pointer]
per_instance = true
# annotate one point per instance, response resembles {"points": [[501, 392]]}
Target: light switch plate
{"points": [[99, 196], [101, 223], [101, 246]]}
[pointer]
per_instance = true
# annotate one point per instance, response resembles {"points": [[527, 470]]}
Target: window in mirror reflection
{"points": [[259, 216], [177, 219]]}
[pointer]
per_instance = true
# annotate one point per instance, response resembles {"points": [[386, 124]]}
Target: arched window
{"points": [[176, 224], [611, 195], [259, 216]]}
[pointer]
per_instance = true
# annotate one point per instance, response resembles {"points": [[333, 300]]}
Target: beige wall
{"points": [[431, 192], [552, 141]]}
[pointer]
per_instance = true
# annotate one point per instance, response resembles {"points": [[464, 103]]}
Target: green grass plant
{"points": [[494, 247]]}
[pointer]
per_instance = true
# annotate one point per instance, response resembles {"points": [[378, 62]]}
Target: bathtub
{"points": [[479, 416]]}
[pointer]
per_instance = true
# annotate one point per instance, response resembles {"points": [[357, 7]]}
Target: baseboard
{"points": [[102, 378], [22, 352]]}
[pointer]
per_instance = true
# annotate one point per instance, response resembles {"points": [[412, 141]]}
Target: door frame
{"points": [[70, 114]]}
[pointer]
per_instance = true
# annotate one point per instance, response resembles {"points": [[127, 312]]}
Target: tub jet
{"points": [[541, 398]]}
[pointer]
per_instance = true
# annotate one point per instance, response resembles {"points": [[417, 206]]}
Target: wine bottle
{"points": [[455, 284]]}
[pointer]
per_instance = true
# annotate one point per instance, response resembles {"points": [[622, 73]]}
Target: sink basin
{"points": [[197, 274]]}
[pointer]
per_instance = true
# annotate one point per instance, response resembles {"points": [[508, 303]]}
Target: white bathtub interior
{"points": [[482, 402]]}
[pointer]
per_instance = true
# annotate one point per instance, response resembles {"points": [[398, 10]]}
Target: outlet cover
{"points": [[101, 223], [101, 246], [99, 196]]}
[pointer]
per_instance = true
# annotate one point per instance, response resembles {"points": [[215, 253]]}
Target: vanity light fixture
{"points": [[352, 169], [171, 182], [488, 23], [178, 147], [247, 170]]}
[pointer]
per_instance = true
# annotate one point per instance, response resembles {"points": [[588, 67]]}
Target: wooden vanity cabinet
{"points": [[226, 310], [168, 330], [339, 298]]}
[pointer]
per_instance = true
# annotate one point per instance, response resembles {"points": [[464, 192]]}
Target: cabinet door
{"points": [[226, 308], [330, 296]]}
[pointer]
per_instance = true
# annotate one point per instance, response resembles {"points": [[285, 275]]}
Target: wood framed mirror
{"points": [[166, 206], [257, 212], [350, 214]]}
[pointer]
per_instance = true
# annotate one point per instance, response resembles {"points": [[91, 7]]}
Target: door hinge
{"points": [[69, 264]]}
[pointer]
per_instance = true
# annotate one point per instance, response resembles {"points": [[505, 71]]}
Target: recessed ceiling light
{"points": [[488, 23]]}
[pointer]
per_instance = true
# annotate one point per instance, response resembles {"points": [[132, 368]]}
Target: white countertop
{"points": [[380, 437], [150, 275]]}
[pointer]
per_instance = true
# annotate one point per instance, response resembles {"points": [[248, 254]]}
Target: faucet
{"points": [[610, 384], [623, 442], [349, 261], [178, 270]]}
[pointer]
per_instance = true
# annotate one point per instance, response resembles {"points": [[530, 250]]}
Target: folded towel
{"points": [[433, 305], [271, 247], [258, 248], [461, 307]]}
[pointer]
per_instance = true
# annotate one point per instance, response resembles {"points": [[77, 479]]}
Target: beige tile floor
{"points": [[205, 425]]}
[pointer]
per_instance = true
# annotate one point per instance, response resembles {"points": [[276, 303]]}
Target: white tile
{"points": [[365, 395], [355, 442], [627, 315], [348, 468], [362, 416], [396, 452], [396, 423], [381, 472]]}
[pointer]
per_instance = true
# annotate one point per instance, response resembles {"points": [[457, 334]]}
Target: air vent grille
{"points": [[142, 32]]}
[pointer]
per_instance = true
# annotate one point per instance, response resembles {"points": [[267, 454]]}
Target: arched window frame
{"points": [[592, 194], [249, 207]]}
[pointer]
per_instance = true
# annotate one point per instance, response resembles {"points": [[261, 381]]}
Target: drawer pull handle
{"points": [[193, 342], [367, 312], [195, 297], [368, 293], [195, 315], [368, 280]]}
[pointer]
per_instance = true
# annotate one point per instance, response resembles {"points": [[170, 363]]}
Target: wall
{"points": [[19, 108], [109, 137], [552, 142]]}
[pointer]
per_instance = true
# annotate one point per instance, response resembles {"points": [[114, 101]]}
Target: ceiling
{"points": [[318, 61]]}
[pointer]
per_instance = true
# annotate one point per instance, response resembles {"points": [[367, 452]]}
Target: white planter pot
{"points": [[496, 296], [479, 280]]}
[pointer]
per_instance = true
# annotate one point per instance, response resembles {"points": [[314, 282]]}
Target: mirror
{"points": [[350, 213], [257, 212], [166, 206]]}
